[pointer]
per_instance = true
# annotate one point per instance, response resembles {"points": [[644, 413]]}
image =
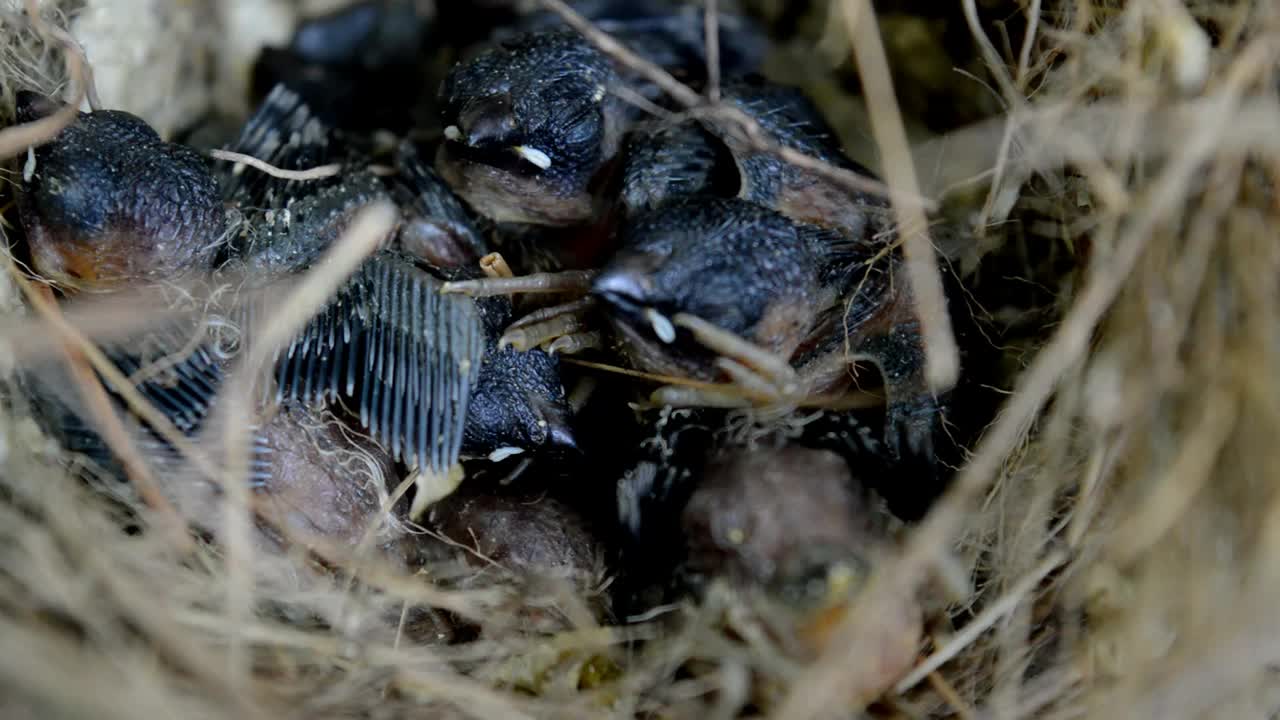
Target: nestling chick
{"points": [[718, 499], [519, 402], [740, 266], [796, 265], [789, 118], [795, 523], [528, 125], [354, 64], [783, 519], [109, 206], [388, 344], [106, 177], [423, 370], [108, 203], [532, 122], [319, 480], [733, 264], [531, 536], [534, 541]]}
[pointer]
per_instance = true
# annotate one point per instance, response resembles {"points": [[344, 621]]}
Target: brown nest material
{"points": [[1110, 548]]}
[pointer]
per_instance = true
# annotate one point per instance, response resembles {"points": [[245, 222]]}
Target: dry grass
{"points": [[1109, 549]]}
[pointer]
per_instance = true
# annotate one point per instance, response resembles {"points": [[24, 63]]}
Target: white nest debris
{"points": [[150, 57], [247, 26], [171, 61]]}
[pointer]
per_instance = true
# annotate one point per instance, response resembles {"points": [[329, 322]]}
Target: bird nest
{"points": [[1107, 547]]}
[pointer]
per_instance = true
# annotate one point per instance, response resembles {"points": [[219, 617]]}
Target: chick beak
{"points": [[622, 285], [32, 106], [560, 437], [488, 121]]}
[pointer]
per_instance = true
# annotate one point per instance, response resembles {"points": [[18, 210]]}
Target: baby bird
{"points": [[108, 202], [710, 288], [106, 206], [795, 523], [532, 122], [519, 404], [760, 509], [387, 344], [404, 355], [732, 264], [782, 276], [352, 65], [528, 539], [424, 370]]}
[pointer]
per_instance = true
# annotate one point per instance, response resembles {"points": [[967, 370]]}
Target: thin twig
{"points": [[844, 401], [1028, 40], [712, 27], [949, 694], [942, 357], [368, 229], [980, 624], [1012, 98], [315, 173], [990, 55], [644, 104]]}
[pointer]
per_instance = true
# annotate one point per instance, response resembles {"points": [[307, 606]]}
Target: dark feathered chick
{"points": [[435, 228], [662, 162], [807, 295], [423, 369], [285, 225], [533, 540], [528, 125], [713, 497], [387, 343], [795, 263], [794, 523], [740, 266], [532, 121], [789, 118], [519, 403], [311, 473], [318, 480], [108, 206], [107, 202], [354, 66], [108, 176]]}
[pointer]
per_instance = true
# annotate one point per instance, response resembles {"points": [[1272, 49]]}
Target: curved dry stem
{"points": [[942, 357], [315, 173]]}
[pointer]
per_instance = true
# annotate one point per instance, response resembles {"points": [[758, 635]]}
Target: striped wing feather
{"points": [[405, 354]]}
